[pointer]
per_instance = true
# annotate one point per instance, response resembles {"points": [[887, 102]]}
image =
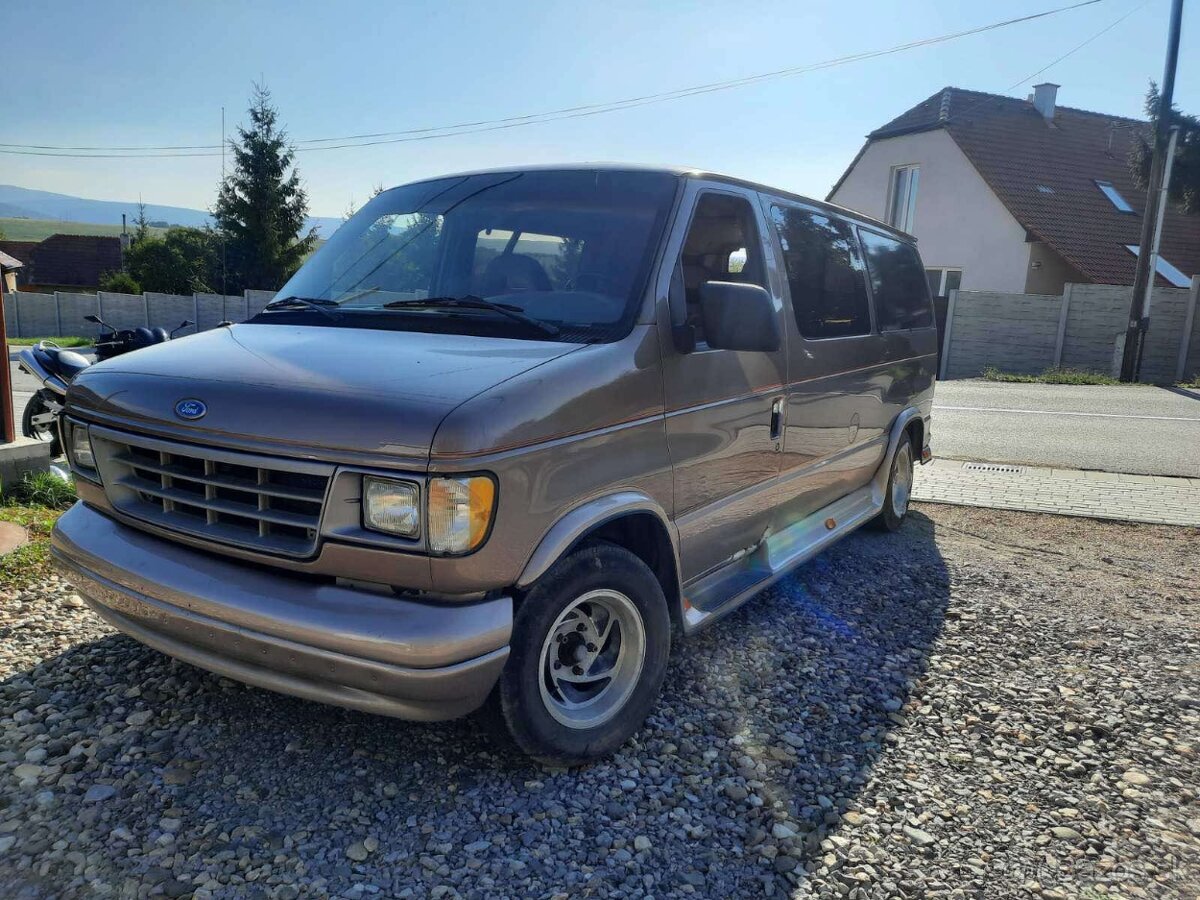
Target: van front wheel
{"points": [[588, 655]]}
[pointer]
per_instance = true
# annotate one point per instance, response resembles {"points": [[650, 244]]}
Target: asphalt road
{"points": [[1139, 429]]}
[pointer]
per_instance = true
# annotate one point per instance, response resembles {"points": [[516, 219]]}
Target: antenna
{"points": [[224, 268]]}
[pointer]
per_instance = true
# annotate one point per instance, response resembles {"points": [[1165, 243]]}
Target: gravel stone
{"points": [[977, 706]]}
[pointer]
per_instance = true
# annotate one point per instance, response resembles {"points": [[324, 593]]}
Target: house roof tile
{"points": [[1045, 173]]}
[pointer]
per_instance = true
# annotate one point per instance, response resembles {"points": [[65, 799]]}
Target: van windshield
{"points": [[554, 255]]}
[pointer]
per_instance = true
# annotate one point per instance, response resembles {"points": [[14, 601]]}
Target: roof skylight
{"points": [[1164, 268], [1114, 196]]}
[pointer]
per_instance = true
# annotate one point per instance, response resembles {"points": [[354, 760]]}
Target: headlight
{"points": [[391, 506], [81, 448], [460, 512]]}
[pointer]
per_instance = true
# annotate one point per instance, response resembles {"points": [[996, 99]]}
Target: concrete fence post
{"points": [[196, 312], [1062, 325], [17, 315], [1185, 339], [950, 304], [58, 329]]}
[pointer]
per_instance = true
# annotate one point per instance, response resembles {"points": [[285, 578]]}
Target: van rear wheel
{"points": [[588, 656], [899, 488]]}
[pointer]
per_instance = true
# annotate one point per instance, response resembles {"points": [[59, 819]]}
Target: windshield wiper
{"points": [[320, 304], [470, 301]]}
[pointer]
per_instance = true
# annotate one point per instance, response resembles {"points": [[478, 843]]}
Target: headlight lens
{"points": [[391, 506], [81, 448], [460, 512]]}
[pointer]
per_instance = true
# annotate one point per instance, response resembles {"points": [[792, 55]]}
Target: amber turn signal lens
{"points": [[460, 512]]}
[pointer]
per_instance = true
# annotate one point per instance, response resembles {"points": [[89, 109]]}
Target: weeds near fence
{"points": [[61, 341], [1050, 376], [41, 489]]}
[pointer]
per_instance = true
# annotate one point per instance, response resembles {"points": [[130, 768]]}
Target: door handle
{"points": [[777, 419]]}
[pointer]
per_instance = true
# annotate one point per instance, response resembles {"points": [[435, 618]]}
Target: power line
{"points": [[572, 112], [1051, 65]]}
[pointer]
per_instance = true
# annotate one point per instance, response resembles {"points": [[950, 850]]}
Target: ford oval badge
{"points": [[190, 409]]}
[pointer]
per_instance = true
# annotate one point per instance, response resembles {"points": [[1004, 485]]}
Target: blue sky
{"points": [[141, 73]]}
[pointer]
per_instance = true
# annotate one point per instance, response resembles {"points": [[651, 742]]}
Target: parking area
{"points": [[988, 702]]}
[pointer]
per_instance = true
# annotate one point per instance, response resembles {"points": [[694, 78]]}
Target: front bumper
{"points": [[295, 635]]}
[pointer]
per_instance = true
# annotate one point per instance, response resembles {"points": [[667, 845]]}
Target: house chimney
{"points": [[1044, 96]]}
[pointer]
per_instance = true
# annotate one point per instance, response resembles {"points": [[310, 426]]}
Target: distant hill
{"points": [[18, 202]]}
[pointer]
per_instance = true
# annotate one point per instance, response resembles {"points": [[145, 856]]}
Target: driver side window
{"points": [[722, 245]]}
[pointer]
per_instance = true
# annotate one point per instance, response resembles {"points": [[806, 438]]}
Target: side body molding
{"points": [[568, 530]]}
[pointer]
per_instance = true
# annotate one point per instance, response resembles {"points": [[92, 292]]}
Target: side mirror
{"points": [[739, 317], [185, 323], [95, 320]]}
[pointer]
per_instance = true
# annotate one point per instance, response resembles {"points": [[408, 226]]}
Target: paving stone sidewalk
{"points": [[1067, 492]]}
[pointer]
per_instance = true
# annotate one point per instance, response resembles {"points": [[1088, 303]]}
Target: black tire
{"points": [[890, 517], [36, 407], [519, 701]]}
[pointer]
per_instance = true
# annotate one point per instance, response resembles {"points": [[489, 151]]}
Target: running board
{"points": [[723, 591]]}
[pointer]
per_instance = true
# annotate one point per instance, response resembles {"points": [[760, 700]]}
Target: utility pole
{"points": [[1143, 275]]}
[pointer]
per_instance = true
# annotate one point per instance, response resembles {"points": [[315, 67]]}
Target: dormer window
{"points": [[1114, 196], [1165, 269]]}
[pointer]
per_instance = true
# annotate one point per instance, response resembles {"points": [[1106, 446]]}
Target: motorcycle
{"points": [[55, 367]]}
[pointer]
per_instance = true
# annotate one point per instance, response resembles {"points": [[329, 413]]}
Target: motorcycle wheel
{"points": [[37, 407]]}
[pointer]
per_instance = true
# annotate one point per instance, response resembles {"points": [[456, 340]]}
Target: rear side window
{"points": [[824, 272], [898, 282]]}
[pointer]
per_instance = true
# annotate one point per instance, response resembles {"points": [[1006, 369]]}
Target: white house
{"points": [[1014, 195]]}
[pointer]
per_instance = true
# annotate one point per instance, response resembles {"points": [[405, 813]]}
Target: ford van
{"points": [[503, 439]]}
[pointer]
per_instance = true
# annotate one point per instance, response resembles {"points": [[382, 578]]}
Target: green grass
{"points": [[1050, 376], [41, 489], [61, 341], [40, 229], [31, 563], [35, 503]]}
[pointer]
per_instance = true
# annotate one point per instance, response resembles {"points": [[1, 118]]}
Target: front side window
{"points": [[824, 272], [898, 282], [902, 203], [542, 255], [722, 245]]}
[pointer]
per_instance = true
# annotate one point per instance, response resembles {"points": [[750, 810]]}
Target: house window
{"points": [[1114, 196], [1164, 268], [943, 281], [902, 208]]}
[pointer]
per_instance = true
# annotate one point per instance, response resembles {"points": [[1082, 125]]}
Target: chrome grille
{"points": [[262, 503]]}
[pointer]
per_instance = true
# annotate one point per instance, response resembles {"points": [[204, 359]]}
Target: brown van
{"points": [[504, 436]]}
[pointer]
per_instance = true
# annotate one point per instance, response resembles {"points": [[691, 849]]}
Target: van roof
{"points": [[687, 172]]}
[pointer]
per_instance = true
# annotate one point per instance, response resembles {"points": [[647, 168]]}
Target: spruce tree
{"points": [[262, 207], [1185, 175]]}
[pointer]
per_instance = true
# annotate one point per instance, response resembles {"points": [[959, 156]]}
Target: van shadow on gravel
{"points": [[768, 729]]}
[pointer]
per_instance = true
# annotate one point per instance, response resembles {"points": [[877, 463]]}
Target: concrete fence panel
{"points": [[1191, 353], [168, 310], [235, 309], [256, 300], [12, 328], [72, 308], [210, 310], [37, 314], [1012, 332], [1160, 351], [122, 311], [30, 314], [1095, 322]]}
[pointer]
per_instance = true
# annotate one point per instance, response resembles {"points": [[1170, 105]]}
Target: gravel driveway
{"points": [[987, 704]]}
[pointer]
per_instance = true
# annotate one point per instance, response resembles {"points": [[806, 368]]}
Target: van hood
{"points": [[313, 391]]}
